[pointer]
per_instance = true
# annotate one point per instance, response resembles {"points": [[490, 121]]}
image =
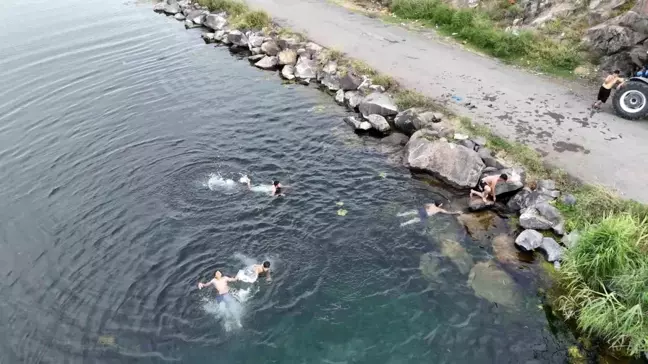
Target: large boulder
{"points": [[171, 7], [330, 80], [267, 63], [529, 240], [288, 72], [255, 41], [411, 120], [526, 198], [379, 123], [270, 48], [504, 249], [454, 164], [493, 284], [305, 68], [197, 16], [350, 82], [606, 39], [552, 249], [288, 43], [378, 103], [542, 216], [287, 56], [458, 255], [215, 22], [237, 38], [352, 99], [514, 182]]}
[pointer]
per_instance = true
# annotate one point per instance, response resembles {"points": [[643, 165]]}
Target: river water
{"points": [[118, 133]]}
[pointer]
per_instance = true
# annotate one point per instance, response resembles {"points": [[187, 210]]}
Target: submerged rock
{"points": [[287, 56], [215, 22], [553, 250], [267, 63], [379, 123], [305, 68], [377, 103], [478, 224], [456, 165], [504, 249], [458, 255], [493, 284], [431, 267], [529, 240], [288, 72], [478, 204]]}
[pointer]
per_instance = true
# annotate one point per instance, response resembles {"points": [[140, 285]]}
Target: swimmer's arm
{"points": [[203, 285], [230, 279], [268, 278]]}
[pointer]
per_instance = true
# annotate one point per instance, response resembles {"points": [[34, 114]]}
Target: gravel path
{"points": [[551, 116]]}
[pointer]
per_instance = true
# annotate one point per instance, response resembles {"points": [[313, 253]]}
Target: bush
{"points": [[231, 7], [256, 19], [606, 282]]}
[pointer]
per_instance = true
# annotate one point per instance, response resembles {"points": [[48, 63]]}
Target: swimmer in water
{"points": [[262, 270], [426, 211], [275, 190], [219, 282]]}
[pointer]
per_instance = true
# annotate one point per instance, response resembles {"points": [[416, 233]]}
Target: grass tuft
{"points": [[475, 27], [406, 99], [255, 19], [240, 16]]}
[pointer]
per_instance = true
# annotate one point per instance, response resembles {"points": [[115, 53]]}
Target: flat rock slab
{"points": [[378, 103]]}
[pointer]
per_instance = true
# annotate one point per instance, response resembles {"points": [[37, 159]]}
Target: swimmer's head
{"points": [[218, 274], [275, 183], [504, 176], [266, 265]]}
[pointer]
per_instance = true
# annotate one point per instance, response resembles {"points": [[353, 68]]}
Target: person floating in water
{"points": [[220, 282], [486, 186], [426, 211], [276, 189]]}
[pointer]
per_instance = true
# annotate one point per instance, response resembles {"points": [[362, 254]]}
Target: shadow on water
{"points": [[123, 142]]}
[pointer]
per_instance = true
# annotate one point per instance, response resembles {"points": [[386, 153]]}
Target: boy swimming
{"points": [[220, 282]]}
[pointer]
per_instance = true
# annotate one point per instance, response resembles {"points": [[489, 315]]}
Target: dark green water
{"points": [[118, 129]]}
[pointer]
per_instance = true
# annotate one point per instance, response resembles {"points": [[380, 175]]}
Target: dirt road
{"points": [[551, 116]]}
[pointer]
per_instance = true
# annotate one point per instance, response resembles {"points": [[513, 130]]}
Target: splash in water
{"points": [[259, 188], [229, 312], [217, 182]]}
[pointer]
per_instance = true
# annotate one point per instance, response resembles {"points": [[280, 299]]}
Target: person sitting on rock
{"points": [[486, 186], [424, 212]]}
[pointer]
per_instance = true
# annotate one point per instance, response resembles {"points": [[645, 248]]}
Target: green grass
{"points": [[406, 99], [605, 281], [476, 28], [239, 14]]}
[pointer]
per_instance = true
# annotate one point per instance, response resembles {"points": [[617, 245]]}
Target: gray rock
{"points": [[547, 184], [350, 82], [270, 48], [288, 72], [255, 41], [559, 228], [352, 99], [219, 35], [526, 198], [159, 7], [549, 212], [365, 125], [339, 97], [550, 193], [179, 17], [530, 218], [454, 164], [481, 141], [171, 7], [478, 204], [287, 56], [267, 63], [377, 103], [330, 81], [288, 43], [257, 51], [377, 88], [208, 37], [552, 249], [313, 48], [215, 22], [197, 16], [529, 240], [396, 139], [329, 69], [237, 38], [556, 265], [301, 52], [568, 199], [570, 240], [431, 267], [425, 134], [188, 24], [606, 39], [411, 120], [256, 58], [467, 143], [352, 121], [379, 123], [305, 68]]}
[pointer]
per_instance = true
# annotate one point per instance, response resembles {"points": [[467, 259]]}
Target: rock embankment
{"points": [[431, 142]]}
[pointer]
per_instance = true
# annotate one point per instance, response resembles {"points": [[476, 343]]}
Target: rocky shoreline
{"points": [[432, 144]]}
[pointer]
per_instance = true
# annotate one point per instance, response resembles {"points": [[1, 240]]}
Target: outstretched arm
{"points": [[230, 279], [203, 285]]}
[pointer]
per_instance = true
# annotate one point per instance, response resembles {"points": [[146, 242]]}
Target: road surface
{"points": [[550, 116]]}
